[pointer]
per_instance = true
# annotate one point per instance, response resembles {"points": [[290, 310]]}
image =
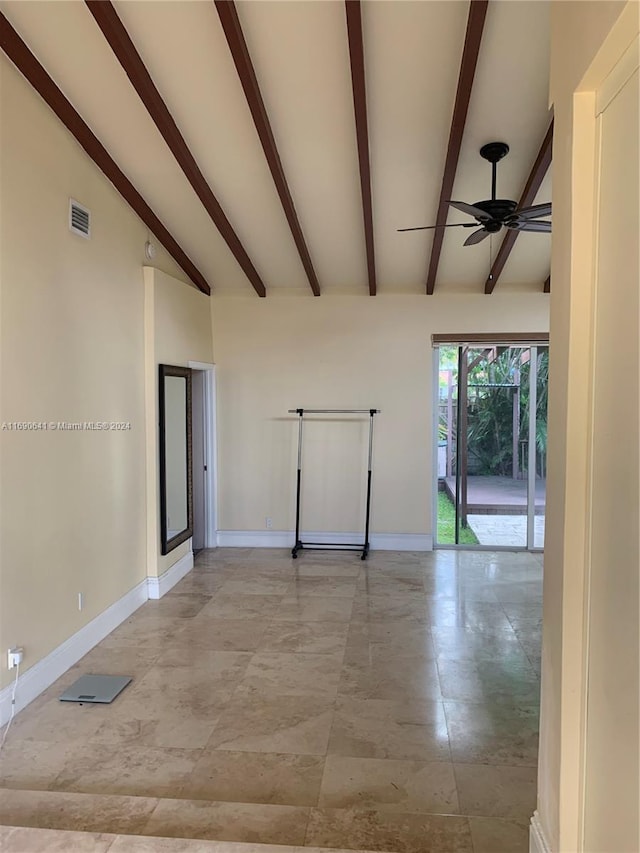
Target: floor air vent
{"points": [[79, 219]]}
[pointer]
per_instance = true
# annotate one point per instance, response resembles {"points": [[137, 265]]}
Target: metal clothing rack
{"points": [[332, 546]]}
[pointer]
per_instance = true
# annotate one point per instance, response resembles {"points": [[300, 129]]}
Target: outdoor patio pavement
{"points": [[498, 495], [497, 508], [506, 530]]}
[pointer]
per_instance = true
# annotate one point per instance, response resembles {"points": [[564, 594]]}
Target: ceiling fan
{"points": [[494, 213]]}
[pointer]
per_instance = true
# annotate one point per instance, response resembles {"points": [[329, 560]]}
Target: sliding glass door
{"points": [[491, 445]]}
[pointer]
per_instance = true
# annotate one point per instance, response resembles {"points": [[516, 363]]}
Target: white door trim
{"points": [[210, 452]]}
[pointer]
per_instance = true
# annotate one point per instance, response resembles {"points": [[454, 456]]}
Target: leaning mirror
{"points": [[176, 513]]}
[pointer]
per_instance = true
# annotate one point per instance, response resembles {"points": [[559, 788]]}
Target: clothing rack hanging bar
{"points": [[332, 546], [333, 411]]}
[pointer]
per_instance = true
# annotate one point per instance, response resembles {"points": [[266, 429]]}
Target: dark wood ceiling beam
{"points": [[356, 57], [118, 38], [232, 28], [536, 176], [547, 285], [471, 50], [18, 52]]}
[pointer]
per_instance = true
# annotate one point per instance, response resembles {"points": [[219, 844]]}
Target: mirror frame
{"points": [[169, 544]]}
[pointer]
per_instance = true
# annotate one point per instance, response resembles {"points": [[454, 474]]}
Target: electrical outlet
{"points": [[14, 656], [268, 523]]}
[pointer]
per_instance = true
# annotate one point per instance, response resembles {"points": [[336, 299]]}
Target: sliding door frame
{"points": [[528, 340]]}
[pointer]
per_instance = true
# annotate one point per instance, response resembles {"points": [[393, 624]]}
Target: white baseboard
{"points": [[401, 542], [254, 539], [42, 674], [537, 840], [286, 539], [159, 586]]}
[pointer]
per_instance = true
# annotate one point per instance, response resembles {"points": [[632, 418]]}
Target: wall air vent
{"points": [[79, 219]]}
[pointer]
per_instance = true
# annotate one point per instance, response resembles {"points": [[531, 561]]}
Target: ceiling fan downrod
{"points": [[494, 152]]}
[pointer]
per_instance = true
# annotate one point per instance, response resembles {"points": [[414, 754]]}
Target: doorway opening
{"points": [[491, 442], [203, 421]]}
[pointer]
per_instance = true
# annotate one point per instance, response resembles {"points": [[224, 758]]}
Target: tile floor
{"points": [[31, 840], [323, 702]]}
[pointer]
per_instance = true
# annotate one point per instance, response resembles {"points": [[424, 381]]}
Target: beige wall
{"points": [[338, 352], [73, 511], [578, 33], [177, 331]]}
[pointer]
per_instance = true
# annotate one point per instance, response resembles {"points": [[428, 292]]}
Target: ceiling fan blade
{"points": [[476, 237], [532, 225], [450, 225], [476, 212], [533, 212]]}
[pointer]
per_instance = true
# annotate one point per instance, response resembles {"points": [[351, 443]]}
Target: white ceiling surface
{"points": [[300, 54], [184, 49], [412, 60], [301, 58]]}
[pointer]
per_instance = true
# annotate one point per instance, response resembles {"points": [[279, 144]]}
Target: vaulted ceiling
{"points": [[282, 144]]}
